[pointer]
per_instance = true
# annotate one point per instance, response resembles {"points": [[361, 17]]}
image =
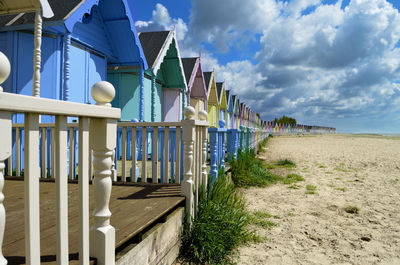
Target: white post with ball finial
{"points": [[5, 150], [103, 133], [188, 127]]}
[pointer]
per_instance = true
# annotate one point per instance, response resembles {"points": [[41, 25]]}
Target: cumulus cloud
{"points": [[321, 63], [341, 61], [161, 20]]}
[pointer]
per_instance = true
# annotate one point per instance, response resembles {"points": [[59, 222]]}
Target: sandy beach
{"points": [[361, 171]]}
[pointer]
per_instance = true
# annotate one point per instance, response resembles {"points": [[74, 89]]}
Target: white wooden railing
{"points": [[95, 121]]}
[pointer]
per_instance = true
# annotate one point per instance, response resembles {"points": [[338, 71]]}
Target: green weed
{"points": [[248, 171], [219, 227], [292, 178], [311, 189], [352, 209], [285, 163]]}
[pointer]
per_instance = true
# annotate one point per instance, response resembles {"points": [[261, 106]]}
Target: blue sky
{"points": [[326, 62]]}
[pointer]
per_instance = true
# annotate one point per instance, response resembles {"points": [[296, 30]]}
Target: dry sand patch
{"points": [[362, 171]]}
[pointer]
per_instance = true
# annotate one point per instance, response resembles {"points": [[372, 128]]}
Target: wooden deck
{"points": [[134, 208]]}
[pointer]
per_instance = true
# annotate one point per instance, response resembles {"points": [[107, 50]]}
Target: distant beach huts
{"points": [[89, 41]]}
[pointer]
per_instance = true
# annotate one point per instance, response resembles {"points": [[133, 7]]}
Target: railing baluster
{"points": [[44, 155], [61, 135], [17, 152], [53, 153], [71, 153], [178, 155], [123, 160], [144, 154], [31, 183], [134, 152], [166, 154], [83, 191], [155, 155]]}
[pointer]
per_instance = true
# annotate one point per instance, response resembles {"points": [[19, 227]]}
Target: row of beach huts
{"points": [[108, 105]]}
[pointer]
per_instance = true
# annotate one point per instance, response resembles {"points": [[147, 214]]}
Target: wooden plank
{"points": [[83, 191], [133, 141], [130, 215], [17, 152], [144, 154], [178, 155], [155, 155], [166, 154], [31, 181], [123, 145], [61, 178]]}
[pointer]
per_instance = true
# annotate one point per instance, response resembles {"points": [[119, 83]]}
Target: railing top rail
{"points": [[147, 124], [54, 107]]}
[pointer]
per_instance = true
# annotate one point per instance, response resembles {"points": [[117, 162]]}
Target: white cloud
{"points": [[317, 62], [161, 20]]}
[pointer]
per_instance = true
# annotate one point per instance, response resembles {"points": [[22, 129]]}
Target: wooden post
{"points": [[61, 138], [5, 152], [188, 126], [204, 176], [213, 151], [31, 189], [37, 52], [103, 133], [84, 165], [67, 47]]}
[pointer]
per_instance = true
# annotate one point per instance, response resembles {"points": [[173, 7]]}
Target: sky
{"points": [[332, 63]]}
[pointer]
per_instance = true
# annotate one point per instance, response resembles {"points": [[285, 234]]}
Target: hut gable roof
{"points": [[153, 43], [221, 95], [212, 94], [158, 46], [189, 65], [194, 77]]}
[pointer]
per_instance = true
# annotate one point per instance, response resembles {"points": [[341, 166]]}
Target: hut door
{"points": [[172, 105]]}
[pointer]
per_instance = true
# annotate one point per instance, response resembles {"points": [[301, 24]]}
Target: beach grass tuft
{"points": [[292, 178], [352, 209], [249, 171], [311, 189], [221, 225], [285, 163]]}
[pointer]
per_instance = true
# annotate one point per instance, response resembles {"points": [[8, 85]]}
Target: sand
{"points": [[362, 171]]}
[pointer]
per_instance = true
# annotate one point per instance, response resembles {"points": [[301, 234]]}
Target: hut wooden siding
{"points": [[195, 82], [235, 111], [229, 120], [212, 103], [78, 43], [222, 104], [164, 96]]}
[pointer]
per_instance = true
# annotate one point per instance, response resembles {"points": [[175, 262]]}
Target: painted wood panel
{"points": [[172, 105], [128, 94]]}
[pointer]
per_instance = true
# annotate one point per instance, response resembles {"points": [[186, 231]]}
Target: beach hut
{"points": [[242, 111], [222, 104], [212, 96], [229, 118], [78, 43], [197, 93], [236, 107], [165, 89]]}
